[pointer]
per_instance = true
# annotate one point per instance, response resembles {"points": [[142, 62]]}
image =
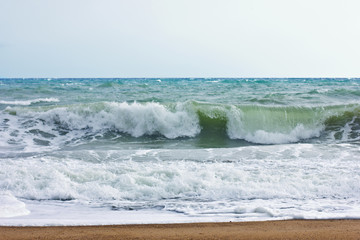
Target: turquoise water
{"points": [[130, 113], [291, 92], [231, 149]]}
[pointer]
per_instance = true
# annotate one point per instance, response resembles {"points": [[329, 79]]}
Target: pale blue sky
{"points": [[179, 38]]}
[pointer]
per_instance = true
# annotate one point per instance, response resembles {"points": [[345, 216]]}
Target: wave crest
{"points": [[135, 119], [28, 102]]}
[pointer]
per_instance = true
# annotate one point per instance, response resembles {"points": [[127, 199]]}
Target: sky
{"points": [[179, 38]]}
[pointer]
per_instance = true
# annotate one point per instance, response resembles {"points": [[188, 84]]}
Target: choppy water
{"points": [[178, 149]]}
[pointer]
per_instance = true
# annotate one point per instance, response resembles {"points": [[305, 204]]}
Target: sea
{"points": [[148, 150]]}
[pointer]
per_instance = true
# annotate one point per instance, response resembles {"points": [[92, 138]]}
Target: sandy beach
{"points": [[288, 229]]}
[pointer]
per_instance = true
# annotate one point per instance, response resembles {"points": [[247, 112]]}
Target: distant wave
{"points": [[28, 102]]}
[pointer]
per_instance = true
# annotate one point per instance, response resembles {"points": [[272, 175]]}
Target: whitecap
{"points": [[28, 102]]}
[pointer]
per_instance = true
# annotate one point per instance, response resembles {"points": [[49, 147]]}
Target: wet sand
{"points": [[288, 229]]}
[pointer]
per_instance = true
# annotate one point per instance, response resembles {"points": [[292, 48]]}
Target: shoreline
{"points": [[278, 229]]}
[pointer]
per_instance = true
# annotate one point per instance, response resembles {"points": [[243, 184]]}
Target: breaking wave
{"points": [[191, 119]]}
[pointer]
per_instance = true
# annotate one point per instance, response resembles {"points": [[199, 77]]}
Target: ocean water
{"points": [[113, 151]]}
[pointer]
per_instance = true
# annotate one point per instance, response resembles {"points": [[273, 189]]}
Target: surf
{"points": [[47, 126]]}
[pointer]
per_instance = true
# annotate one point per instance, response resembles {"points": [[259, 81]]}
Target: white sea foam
{"points": [[295, 135], [28, 102], [240, 127], [282, 181], [10, 206]]}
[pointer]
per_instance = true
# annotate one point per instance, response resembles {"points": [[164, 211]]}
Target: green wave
{"points": [[248, 121], [202, 120]]}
